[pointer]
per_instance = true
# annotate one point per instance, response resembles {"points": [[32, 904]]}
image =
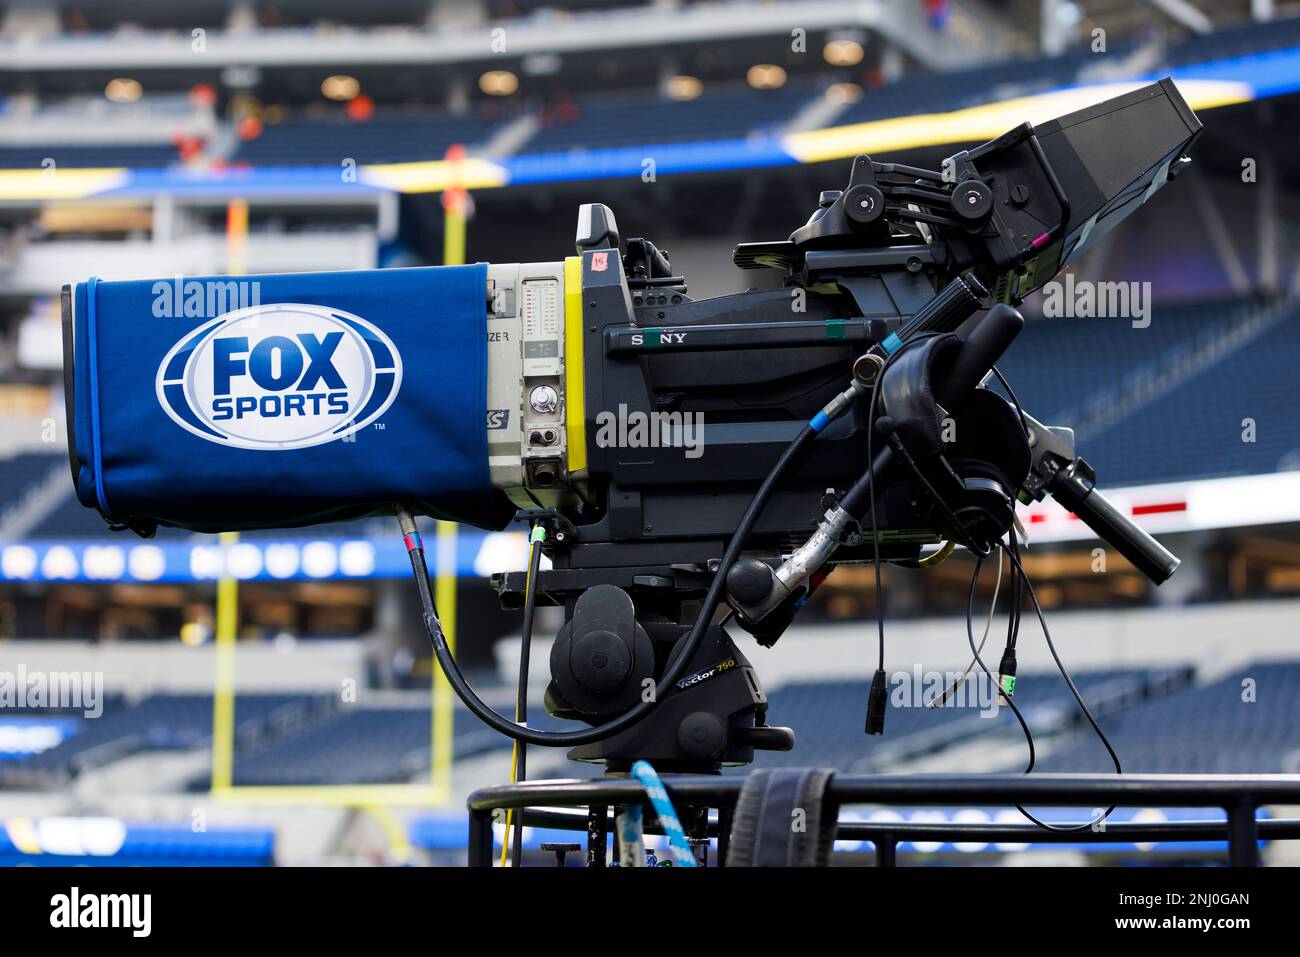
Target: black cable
{"points": [[877, 696], [877, 693], [521, 692], [677, 665], [877, 704], [871, 505], [1017, 597], [1060, 665], [1020, 718], [1015, 400], [1020, 581], [871, 481], [1017, 583]]}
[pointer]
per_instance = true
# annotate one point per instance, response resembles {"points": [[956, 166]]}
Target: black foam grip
{"points": [[980, 351], [953, 305]]}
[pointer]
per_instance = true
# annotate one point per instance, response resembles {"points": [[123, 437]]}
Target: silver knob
{"points": [[543, 400]]}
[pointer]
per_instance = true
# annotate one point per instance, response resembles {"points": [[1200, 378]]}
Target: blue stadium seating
{"points": [[139, 156], [1236, 41], [390, 137], [1196, 429], [942, 92], [161, 722], [1209, 729], [19, 473], [828, 716], [1193, 431], [358, 746], [280, 739], [1055, 364], [927, 93], [638, 120], [1157, 720]]}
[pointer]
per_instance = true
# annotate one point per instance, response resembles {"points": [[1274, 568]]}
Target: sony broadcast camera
{"points": [[689, 460]]}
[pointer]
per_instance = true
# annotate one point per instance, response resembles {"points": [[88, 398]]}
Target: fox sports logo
{"points": [[279, 376]]}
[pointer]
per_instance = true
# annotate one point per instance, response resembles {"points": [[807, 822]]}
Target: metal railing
{"points": [[1240, 796]]}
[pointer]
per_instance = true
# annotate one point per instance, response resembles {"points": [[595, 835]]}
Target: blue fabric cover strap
{"points": [[92, 362]]}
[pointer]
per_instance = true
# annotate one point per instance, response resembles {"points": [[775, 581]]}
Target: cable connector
{"points": [[1007, 672], [410, 531], [877, 702], [836, 406]]}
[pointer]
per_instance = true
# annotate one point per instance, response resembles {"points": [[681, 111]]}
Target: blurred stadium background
{"points": [[137, 138]]}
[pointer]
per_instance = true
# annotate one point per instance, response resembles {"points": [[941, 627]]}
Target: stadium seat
{"points": [[1244, 722]]}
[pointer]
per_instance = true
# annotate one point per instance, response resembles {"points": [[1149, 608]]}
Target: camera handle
{"points": [[1074, 486]]}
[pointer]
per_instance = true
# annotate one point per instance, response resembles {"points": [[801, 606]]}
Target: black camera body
{"points": [[897, 300]]}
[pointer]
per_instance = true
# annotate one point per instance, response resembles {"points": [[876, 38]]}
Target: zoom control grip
{"points": [[1075, 488]]}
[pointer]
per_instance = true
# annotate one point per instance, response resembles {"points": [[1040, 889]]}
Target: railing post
{"points": [[480, 838], [886, 851], [1243, 835]]}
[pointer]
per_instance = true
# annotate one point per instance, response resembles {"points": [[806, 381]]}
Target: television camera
{"points": [[898, 299], [689, 466]]}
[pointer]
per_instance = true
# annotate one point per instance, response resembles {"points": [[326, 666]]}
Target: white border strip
{"points": [[1179, 507]]}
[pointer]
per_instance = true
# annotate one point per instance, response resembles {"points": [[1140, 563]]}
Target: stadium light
{"points": [[843, 52], [844, 93], [766, 76], [340, 87], [123, 90], [498, 83], [683, 87]]}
